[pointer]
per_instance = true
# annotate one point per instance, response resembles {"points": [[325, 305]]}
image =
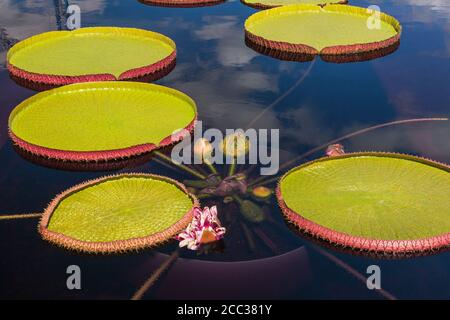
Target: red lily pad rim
{"points": [[116, 246], [441, 242], [159, 68], [103, 155], [182, 3], [264, 6], [307, 53]]}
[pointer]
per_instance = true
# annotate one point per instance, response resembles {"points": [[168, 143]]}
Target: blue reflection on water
{"points": [[232, 84]]}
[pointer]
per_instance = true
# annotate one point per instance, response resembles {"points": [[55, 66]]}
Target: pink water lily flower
{"points": [[204, 228], [334, 150]]}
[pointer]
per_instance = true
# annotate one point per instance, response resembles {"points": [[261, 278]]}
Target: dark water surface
{"points": [[232, 84]]}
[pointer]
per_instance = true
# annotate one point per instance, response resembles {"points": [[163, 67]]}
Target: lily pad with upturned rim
{"points": [[91, 166], [58, 58], [118, 213], [380, 202], [101, 121], [268, 4], [338, 33], [182, 3]]}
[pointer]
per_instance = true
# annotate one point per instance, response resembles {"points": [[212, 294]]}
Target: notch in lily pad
{"points": [[337, 33], [269, 4], [182, 3], [90, 54]]}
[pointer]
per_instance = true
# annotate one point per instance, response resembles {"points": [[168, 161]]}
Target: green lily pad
{"points": [[92, 54], [373, 201], [333, 31], [101, 120], [118, 213]]}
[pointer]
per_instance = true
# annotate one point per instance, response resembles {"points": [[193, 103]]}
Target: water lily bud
{"points": [[203, 149], [227, 200], [191, 190], [335, 150], [252, 212], [261, 192], [235, 145]]}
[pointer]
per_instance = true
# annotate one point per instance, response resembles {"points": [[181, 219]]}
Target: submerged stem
{"points": [[211, 167], [155, 276], [284, 95], [266, 239], [204, 196], [260, 180], [181, 166], [20, 216], [248, 236], [232, 168], [352, 271]]}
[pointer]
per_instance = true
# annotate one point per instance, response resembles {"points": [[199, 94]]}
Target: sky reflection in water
{"points": [[231, 85]]}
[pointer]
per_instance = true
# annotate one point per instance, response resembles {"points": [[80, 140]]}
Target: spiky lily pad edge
{"points": [[263, 6], [377, 246], [113, 165], [309, 54], [103, 155], [337, 54], [182, 3], [118, 246], [41, 82]]}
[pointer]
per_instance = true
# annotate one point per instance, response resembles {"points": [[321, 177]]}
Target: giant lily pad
{"points": [[268, 4], [182, 3], [90, 54], [380, 202], [101, 120], [335, 32], [118, 213]]}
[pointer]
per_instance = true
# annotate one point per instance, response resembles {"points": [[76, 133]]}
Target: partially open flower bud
{"points": [[335, 150], [235, 145], [203, 149], [261, 192]]}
